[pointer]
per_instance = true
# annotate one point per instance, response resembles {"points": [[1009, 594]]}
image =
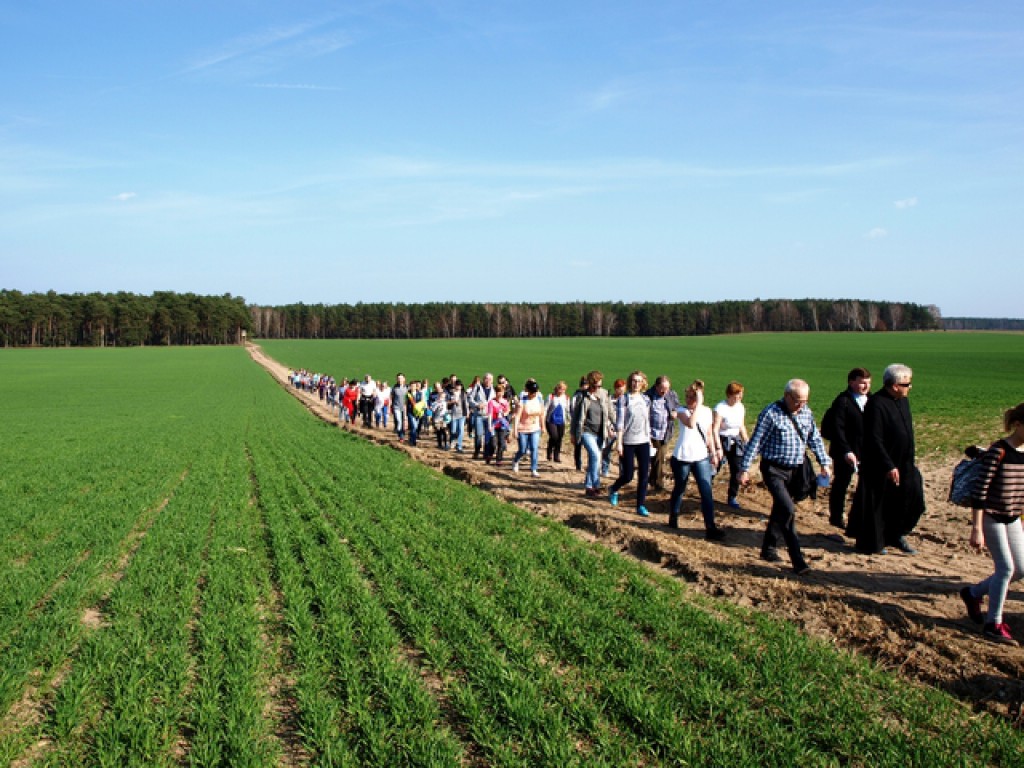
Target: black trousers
{"points": [[556, 432], [782, 520], [841, 479], [734, 458], [366, 410]]}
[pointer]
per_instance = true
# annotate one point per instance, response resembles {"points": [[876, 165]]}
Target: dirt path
{"points": [[903, 611]]}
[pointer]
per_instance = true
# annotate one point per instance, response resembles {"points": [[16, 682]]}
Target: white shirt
{"points": [[690, 446], [732, 417]]}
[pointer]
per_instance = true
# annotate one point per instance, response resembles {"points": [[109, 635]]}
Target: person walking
{"points": [[556, 413], [591, 425], [846, 439], [367, 399], [457, 407], [633, 441], [729, 423], [416, 409], [664, 404], [382, 405], [348, 400], [782, 434], [696, 451], [996, 525], [890, 495], [399, 392], [479, 395], [497, 426], [527, 424]]}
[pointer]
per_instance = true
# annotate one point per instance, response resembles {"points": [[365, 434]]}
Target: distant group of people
{"points": [[870, 446], [352, 399]]}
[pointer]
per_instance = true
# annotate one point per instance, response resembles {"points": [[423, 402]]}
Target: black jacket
{"points": [[889, 434], [848, 427]]}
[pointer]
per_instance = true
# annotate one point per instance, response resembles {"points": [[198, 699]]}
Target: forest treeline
{"points": [[982, 324], [119, 319], [167, 318], [515, 320]]}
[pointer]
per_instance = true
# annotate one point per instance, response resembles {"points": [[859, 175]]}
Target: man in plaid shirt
{"points": [[783, 432]]}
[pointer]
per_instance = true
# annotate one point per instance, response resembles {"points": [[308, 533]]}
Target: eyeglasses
{"points": [[906, 384]]}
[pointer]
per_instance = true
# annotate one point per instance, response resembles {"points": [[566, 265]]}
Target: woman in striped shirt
{"points": [[996, 525]]}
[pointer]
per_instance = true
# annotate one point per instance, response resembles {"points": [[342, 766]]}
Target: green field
{"points": [[962, 381], [196, 571]]}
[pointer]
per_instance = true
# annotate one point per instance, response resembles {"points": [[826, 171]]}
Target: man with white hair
{"points": [[784, 431], [890, 497]]}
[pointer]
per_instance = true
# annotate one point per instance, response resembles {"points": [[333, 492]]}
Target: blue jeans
{"points": [[456, 427], [399, 423], [529, 441], [592, 444], [681, 471], [414, 428], [479, 433]]}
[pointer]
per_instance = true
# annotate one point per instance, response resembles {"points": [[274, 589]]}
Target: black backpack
{"points": [[828, 423]]}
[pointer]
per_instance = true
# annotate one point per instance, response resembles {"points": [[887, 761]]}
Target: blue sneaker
{"points": [[613, 499], [733, 503], [642, 511]]}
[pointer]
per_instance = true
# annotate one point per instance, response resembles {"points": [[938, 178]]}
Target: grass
{"points": [[227, 539]]}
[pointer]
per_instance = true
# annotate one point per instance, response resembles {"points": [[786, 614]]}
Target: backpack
{"points": [[828, 423], [966, 476], [557, 415]]}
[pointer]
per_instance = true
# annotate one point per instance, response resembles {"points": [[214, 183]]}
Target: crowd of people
{"points": [[870, 447]]}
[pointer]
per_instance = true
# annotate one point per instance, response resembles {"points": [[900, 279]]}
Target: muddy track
{"points": [[902, 611]]}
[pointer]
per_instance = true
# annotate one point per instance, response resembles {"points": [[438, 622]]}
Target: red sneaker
{"points": [[998, 633]]}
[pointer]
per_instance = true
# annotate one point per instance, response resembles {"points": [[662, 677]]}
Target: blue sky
{"points": [[515, 151]]}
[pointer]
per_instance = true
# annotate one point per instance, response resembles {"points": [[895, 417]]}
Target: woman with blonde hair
{"points": [[996, 525], [556, 414], [697, 448], [633, 440]]}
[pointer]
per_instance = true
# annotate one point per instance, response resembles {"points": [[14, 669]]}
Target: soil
{"points": [[902, 611]]}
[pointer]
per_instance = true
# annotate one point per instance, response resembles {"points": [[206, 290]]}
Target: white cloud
{"points": [[877, 233], [124, 197], [296, 87], [908, 202], [271, 48]]}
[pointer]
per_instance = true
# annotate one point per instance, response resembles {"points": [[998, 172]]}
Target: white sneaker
{"points": [[515, 466], [535, 473]]}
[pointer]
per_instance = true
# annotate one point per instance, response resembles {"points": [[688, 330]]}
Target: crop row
{"points": [[165, 548], [544, 651], [269, 589]]}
